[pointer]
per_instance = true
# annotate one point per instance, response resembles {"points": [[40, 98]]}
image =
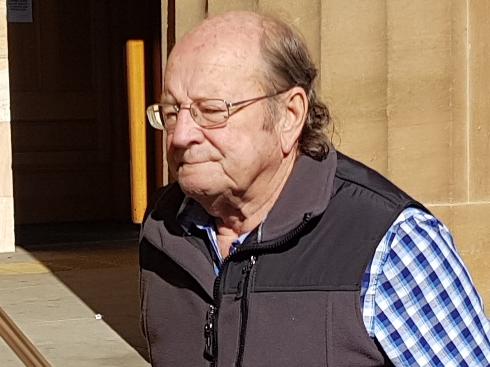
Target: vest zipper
{"points": [[274, 244], [242, 293], [209, 337], [211, 326]]}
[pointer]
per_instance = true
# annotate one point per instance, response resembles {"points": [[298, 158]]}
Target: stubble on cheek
{"points": [[201, 179]]}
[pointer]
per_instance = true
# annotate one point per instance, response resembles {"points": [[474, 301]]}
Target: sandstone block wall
{"points": [[408, 83]]}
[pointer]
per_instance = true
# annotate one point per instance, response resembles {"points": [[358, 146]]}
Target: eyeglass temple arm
{"points": [[235, 104]]}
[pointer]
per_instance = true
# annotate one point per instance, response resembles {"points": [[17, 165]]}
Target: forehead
{"points": [[214, 58]]}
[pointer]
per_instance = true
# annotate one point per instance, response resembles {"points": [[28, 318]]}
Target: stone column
{"points": [[469, 213], [7, 242], [188, 14], [355, 75], [220, 6]]}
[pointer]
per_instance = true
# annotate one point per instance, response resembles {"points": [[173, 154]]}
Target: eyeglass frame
{"points": [[229, 105]]}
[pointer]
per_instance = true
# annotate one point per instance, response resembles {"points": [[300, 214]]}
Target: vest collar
{"points": [[307, 190]]}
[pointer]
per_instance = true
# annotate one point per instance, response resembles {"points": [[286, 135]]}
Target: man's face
{"points": [[229, 159]]}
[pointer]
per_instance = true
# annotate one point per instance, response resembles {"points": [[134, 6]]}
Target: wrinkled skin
{"points": [[236, 171]]}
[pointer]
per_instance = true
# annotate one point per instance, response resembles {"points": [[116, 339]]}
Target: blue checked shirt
{"points": [[418, 299]]}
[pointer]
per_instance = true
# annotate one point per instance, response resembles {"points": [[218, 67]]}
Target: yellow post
{"points": [[135, 61]]}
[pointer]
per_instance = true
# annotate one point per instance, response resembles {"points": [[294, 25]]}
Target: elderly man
{"points": [[273, 249]]}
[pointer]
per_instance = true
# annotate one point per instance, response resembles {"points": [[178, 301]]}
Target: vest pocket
{"points": [[348, 343], [286, 329]]}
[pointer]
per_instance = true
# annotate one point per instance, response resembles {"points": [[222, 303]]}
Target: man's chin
{"points": [[196, 188]]}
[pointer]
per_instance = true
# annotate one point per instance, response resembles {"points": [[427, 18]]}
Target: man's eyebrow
{"points": [[168, 98]]}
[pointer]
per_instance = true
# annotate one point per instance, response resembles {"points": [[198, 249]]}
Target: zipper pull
{"points": [[307, 217], [209, 334], [246, 270]]}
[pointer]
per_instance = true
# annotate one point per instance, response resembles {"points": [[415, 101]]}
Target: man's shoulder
{"points": [[354, 175]]}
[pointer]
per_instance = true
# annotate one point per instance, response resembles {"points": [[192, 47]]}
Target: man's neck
{"points": [[236, 215]]}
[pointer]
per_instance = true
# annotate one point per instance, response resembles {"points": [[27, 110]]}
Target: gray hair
{"points": [[289, 64]]}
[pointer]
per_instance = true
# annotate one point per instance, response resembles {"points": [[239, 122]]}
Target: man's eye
{"points": [[211, 107], [169, 112], [212, 110], [170, 116]]}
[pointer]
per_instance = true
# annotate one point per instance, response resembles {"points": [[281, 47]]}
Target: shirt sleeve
{"points": [[419, 300]]}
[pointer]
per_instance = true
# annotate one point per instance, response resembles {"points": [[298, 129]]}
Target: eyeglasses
{"points": [[207, 113]]}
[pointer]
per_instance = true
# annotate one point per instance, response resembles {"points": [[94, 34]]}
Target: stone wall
{"points": [[6, 187], [408, 83]]}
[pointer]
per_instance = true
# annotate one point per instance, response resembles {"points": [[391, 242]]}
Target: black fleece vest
{"points": [[299, 304]]}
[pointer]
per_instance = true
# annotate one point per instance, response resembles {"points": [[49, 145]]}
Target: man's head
{"points": [[235, 57]]}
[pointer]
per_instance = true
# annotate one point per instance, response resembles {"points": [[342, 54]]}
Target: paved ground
{"points": [[54, 292]]}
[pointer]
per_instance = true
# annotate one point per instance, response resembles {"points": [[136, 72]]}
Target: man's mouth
{"points": [[190, 163]]}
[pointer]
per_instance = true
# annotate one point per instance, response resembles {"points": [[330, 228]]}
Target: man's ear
{"points": [[293, 120]]}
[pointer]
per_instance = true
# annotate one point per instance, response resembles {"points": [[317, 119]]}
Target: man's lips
{"points": [[196, 160], [191, 163]]}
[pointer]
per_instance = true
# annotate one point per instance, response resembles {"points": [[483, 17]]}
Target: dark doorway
{"points": [[69, 107]]}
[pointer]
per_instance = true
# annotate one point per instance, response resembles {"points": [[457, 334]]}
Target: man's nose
{"points": [[186, 131]]}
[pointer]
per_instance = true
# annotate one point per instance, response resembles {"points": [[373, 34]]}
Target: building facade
{"points": [[407, 83]]}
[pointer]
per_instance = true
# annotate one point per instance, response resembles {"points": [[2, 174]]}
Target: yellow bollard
{"points": [[135, 64]]}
